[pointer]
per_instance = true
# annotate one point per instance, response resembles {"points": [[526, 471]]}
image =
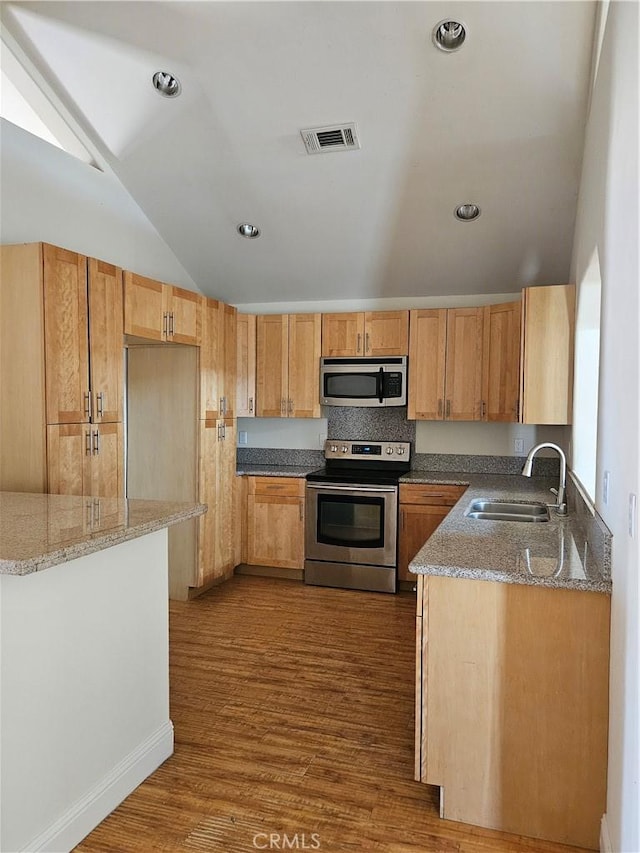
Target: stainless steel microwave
{"points": [[363, 381]]}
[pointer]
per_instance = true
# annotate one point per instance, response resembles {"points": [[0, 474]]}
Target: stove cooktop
{"points": [[367, 462]]}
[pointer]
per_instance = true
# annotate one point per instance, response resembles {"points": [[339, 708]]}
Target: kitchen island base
{"points": [[84, 701], [511, 705]]}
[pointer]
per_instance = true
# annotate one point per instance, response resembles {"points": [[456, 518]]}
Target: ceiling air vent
{"points": [[335, 137]]}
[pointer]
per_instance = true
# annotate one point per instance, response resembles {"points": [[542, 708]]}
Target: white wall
{"points": [[608, 222], [48, 195]]}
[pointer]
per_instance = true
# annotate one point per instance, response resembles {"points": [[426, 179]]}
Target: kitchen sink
{"points": [[485, 510]]}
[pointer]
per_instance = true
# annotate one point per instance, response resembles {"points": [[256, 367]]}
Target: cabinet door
{"points": [[68, 458], [272, 348], [185, 316], [417, 523], [225, 476], [275, 531], [207, 495], [229, 356], [105, 471], [145, 307], [386, 333], [304, 365], [463, 382], [501, 362], [427, 352], [246, 366], [66, 336], [105, 337], [547, 364], [342, 334], [211, 362]]}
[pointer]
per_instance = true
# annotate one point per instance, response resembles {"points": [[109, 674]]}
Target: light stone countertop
{"points": [[38, 531], [252, 470], [551, 554]]}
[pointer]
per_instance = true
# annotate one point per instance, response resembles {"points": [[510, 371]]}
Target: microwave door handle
{"points": [[380, 385]]}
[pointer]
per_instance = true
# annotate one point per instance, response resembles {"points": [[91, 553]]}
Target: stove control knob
{"points": [[334, 448], [400, 451], [344, 448], [389, 450]]}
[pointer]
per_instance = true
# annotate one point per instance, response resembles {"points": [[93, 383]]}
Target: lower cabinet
{"points": [[85, 459], [422, 508], [275, 522], [216, 539]]}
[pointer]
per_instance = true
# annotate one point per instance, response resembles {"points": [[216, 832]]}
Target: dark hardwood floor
{"points": [[293, 714]]}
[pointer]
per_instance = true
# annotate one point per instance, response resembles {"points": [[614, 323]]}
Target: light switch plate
{"points": [[518, 446], [243, 436]]}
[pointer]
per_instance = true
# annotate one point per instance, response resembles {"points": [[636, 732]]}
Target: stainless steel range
{"points": [[352, 515]]}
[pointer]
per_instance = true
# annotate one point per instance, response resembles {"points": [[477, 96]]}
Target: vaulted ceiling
{"points": [[499, 123]]}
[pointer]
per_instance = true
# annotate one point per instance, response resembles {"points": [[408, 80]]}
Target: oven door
{"points": [[351, 523]]}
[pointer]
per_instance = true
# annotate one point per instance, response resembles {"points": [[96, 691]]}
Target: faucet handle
{"points": [[554, 491]]}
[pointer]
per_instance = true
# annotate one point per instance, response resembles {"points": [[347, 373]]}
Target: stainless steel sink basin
{"points": [[505, 511]]}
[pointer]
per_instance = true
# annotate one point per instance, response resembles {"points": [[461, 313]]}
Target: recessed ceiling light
{"points": [[449, 35], [166, 84], [245, 229], [467, 212]]}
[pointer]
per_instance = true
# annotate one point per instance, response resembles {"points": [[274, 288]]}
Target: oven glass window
{"points": [[352, 522], [359, 386]]}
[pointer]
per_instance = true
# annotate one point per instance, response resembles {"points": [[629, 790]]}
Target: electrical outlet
{"points": [[243, 437], [518, 446], [321, 439], [633, 515], [605, 487]]}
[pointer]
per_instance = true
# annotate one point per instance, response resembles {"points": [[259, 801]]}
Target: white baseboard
{"points": [[605, 838], [78, 821]]}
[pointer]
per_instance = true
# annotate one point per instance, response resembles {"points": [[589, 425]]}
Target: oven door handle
{"points": [[321, 487], [381, 385]]}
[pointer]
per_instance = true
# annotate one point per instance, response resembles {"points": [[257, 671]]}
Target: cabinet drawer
{"points": [[430, 494], [286, 486]]}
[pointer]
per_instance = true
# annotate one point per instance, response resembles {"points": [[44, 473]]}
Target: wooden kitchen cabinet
{"points": [[275, 522], [246, 366], [370, 334], [83, 338], [218, 359], [501, 362], [422, 508], [216, 531], [512, 705], [86, 459], [445, 364], [548, 328], [161, 312], [288, 366]]}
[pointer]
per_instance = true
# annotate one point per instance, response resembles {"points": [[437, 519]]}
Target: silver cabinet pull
{"points": [[219, 432], [224, 405], [290, 406], [366, 342], [165, 325], [224, 432], [171, 329], [482, 409], [359, 344], [221, 406], [87, 404], [301, 511], [87, 443], [448, 414], [100, 404], [250, 405], [439, 408], [96, 443], [282, 405]]}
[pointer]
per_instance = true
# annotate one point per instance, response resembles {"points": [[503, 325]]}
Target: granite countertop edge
{"points": [[253, 470], [91, 543]]}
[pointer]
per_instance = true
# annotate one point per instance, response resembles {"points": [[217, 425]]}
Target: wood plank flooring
{"points": [[293, 714]]}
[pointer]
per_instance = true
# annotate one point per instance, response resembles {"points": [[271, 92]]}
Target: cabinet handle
{"points": [[224, 432], [95, 514], [250, 405], [290, 406], [224, 403], [171, 329], [301, 511], [359, 342], [440, 408], [221, 406], [165, 325], [448, 414], [282, 405], [100, 404], [87, 404], [482, 409], [219, 433], [96, 443], [87, 443], [366, 342]]}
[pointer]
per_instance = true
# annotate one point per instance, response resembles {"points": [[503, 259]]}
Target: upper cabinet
{"points": [[246, 366], [547, 354], [287, 365], [218, 356], [83, 329], [369, 334], [161, 312], [500, 362]]}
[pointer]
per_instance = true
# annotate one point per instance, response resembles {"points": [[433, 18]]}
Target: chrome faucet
{"points": [[560, 505]]}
